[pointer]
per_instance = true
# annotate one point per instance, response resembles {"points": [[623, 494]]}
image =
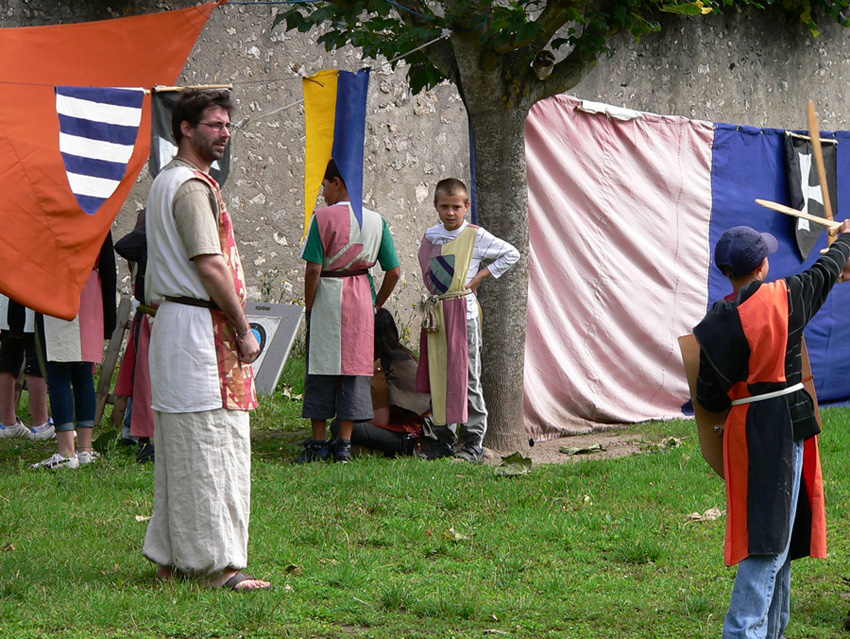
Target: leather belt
{"points": [[191, 301], [353, 273], [764, 396]]}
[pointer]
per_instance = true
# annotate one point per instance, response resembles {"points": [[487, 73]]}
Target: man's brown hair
{"points": [[192, 103]]}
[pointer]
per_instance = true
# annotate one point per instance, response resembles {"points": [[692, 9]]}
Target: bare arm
{"points": [[218, 281], [391, 278], [312, 273]]}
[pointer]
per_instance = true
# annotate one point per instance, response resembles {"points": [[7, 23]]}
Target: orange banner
{"points": [[48, 243]]}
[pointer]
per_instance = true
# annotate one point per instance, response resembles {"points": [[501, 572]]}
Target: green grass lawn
{"points": [[405, 548]]}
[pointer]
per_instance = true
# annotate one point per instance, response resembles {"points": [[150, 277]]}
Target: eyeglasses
{"points": [[217, 126]]}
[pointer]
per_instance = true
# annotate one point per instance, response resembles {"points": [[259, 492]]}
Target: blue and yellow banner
{"points": [[335, 113]]}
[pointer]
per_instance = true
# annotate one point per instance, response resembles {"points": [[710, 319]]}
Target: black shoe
{"points": [[470, 453], [439, 450], [341, 450], [313, 451], [408, 446], [144, 453]]}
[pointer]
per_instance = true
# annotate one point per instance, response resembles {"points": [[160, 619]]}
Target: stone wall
{"points": [[743, 67], [411, 141]]}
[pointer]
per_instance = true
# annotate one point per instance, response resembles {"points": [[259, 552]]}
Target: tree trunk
{"points": [[498, 135]]}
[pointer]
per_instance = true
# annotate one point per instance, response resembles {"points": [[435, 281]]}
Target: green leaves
{"points": [[510, 26], [513, 465], [376, 28], [399, 29], [423, 75], [687, 9]]}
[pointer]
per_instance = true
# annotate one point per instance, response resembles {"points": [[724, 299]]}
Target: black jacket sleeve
{"points": [[711, 394], [108, 285]]}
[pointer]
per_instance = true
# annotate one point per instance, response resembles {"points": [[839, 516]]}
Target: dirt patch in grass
{"points": [[602, 445], [606, 444]]}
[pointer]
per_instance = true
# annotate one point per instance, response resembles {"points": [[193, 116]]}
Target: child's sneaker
{"points": [[470, 453], [13, 432], [438, 450], [313, 451], [341, 450], [87, 457], [56, 461], [44, 432]]}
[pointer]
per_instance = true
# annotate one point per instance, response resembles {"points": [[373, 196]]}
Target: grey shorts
{"points": [[346, 397]]}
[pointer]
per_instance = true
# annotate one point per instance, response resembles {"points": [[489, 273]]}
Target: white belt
{"points": [[759, 398]]}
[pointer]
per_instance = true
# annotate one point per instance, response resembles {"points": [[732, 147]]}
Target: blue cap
{"points": [[742, 249]]}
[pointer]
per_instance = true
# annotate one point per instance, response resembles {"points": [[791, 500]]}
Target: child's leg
{"points": [[446, 434], [319, 403], [446, 440], [353, 404], [37, 388], [85, 402], [11, 359], [473, 431], [36, 385], [761, 596], [7, 399], [62, 405], [319, 406]]}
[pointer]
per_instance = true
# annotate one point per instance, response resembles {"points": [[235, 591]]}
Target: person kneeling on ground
{"points": [[399, 409]]}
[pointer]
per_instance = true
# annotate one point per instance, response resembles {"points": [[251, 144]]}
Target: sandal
{"points": [[238, 578]]}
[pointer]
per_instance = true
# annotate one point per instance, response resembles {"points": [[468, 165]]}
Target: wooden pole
{"points": [[199, 87], [787, 210], [814, 133]]}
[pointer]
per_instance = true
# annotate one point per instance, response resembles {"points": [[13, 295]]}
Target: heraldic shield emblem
{"points": [[442, 273]]}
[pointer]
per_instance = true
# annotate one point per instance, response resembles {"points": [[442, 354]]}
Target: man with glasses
{"points": [[200, 360]]}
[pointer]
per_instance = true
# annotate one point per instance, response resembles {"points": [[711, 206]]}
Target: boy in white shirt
{"points": [[451, 258]]}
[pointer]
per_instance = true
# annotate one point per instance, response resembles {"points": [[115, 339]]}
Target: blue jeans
{"points": [[72, 396], [761, 599]]}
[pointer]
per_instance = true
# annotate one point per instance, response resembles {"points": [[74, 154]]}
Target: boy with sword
{"points": [[750, 363]]}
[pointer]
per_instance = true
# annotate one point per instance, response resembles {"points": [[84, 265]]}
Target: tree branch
{"points": [[442, 56], [565, 75], [440, 53], [552, 18]]}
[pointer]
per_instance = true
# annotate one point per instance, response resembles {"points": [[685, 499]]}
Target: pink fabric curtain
{"points": [[619, 264]]}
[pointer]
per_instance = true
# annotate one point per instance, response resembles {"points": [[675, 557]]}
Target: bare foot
{"points": [[164, 573]]}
